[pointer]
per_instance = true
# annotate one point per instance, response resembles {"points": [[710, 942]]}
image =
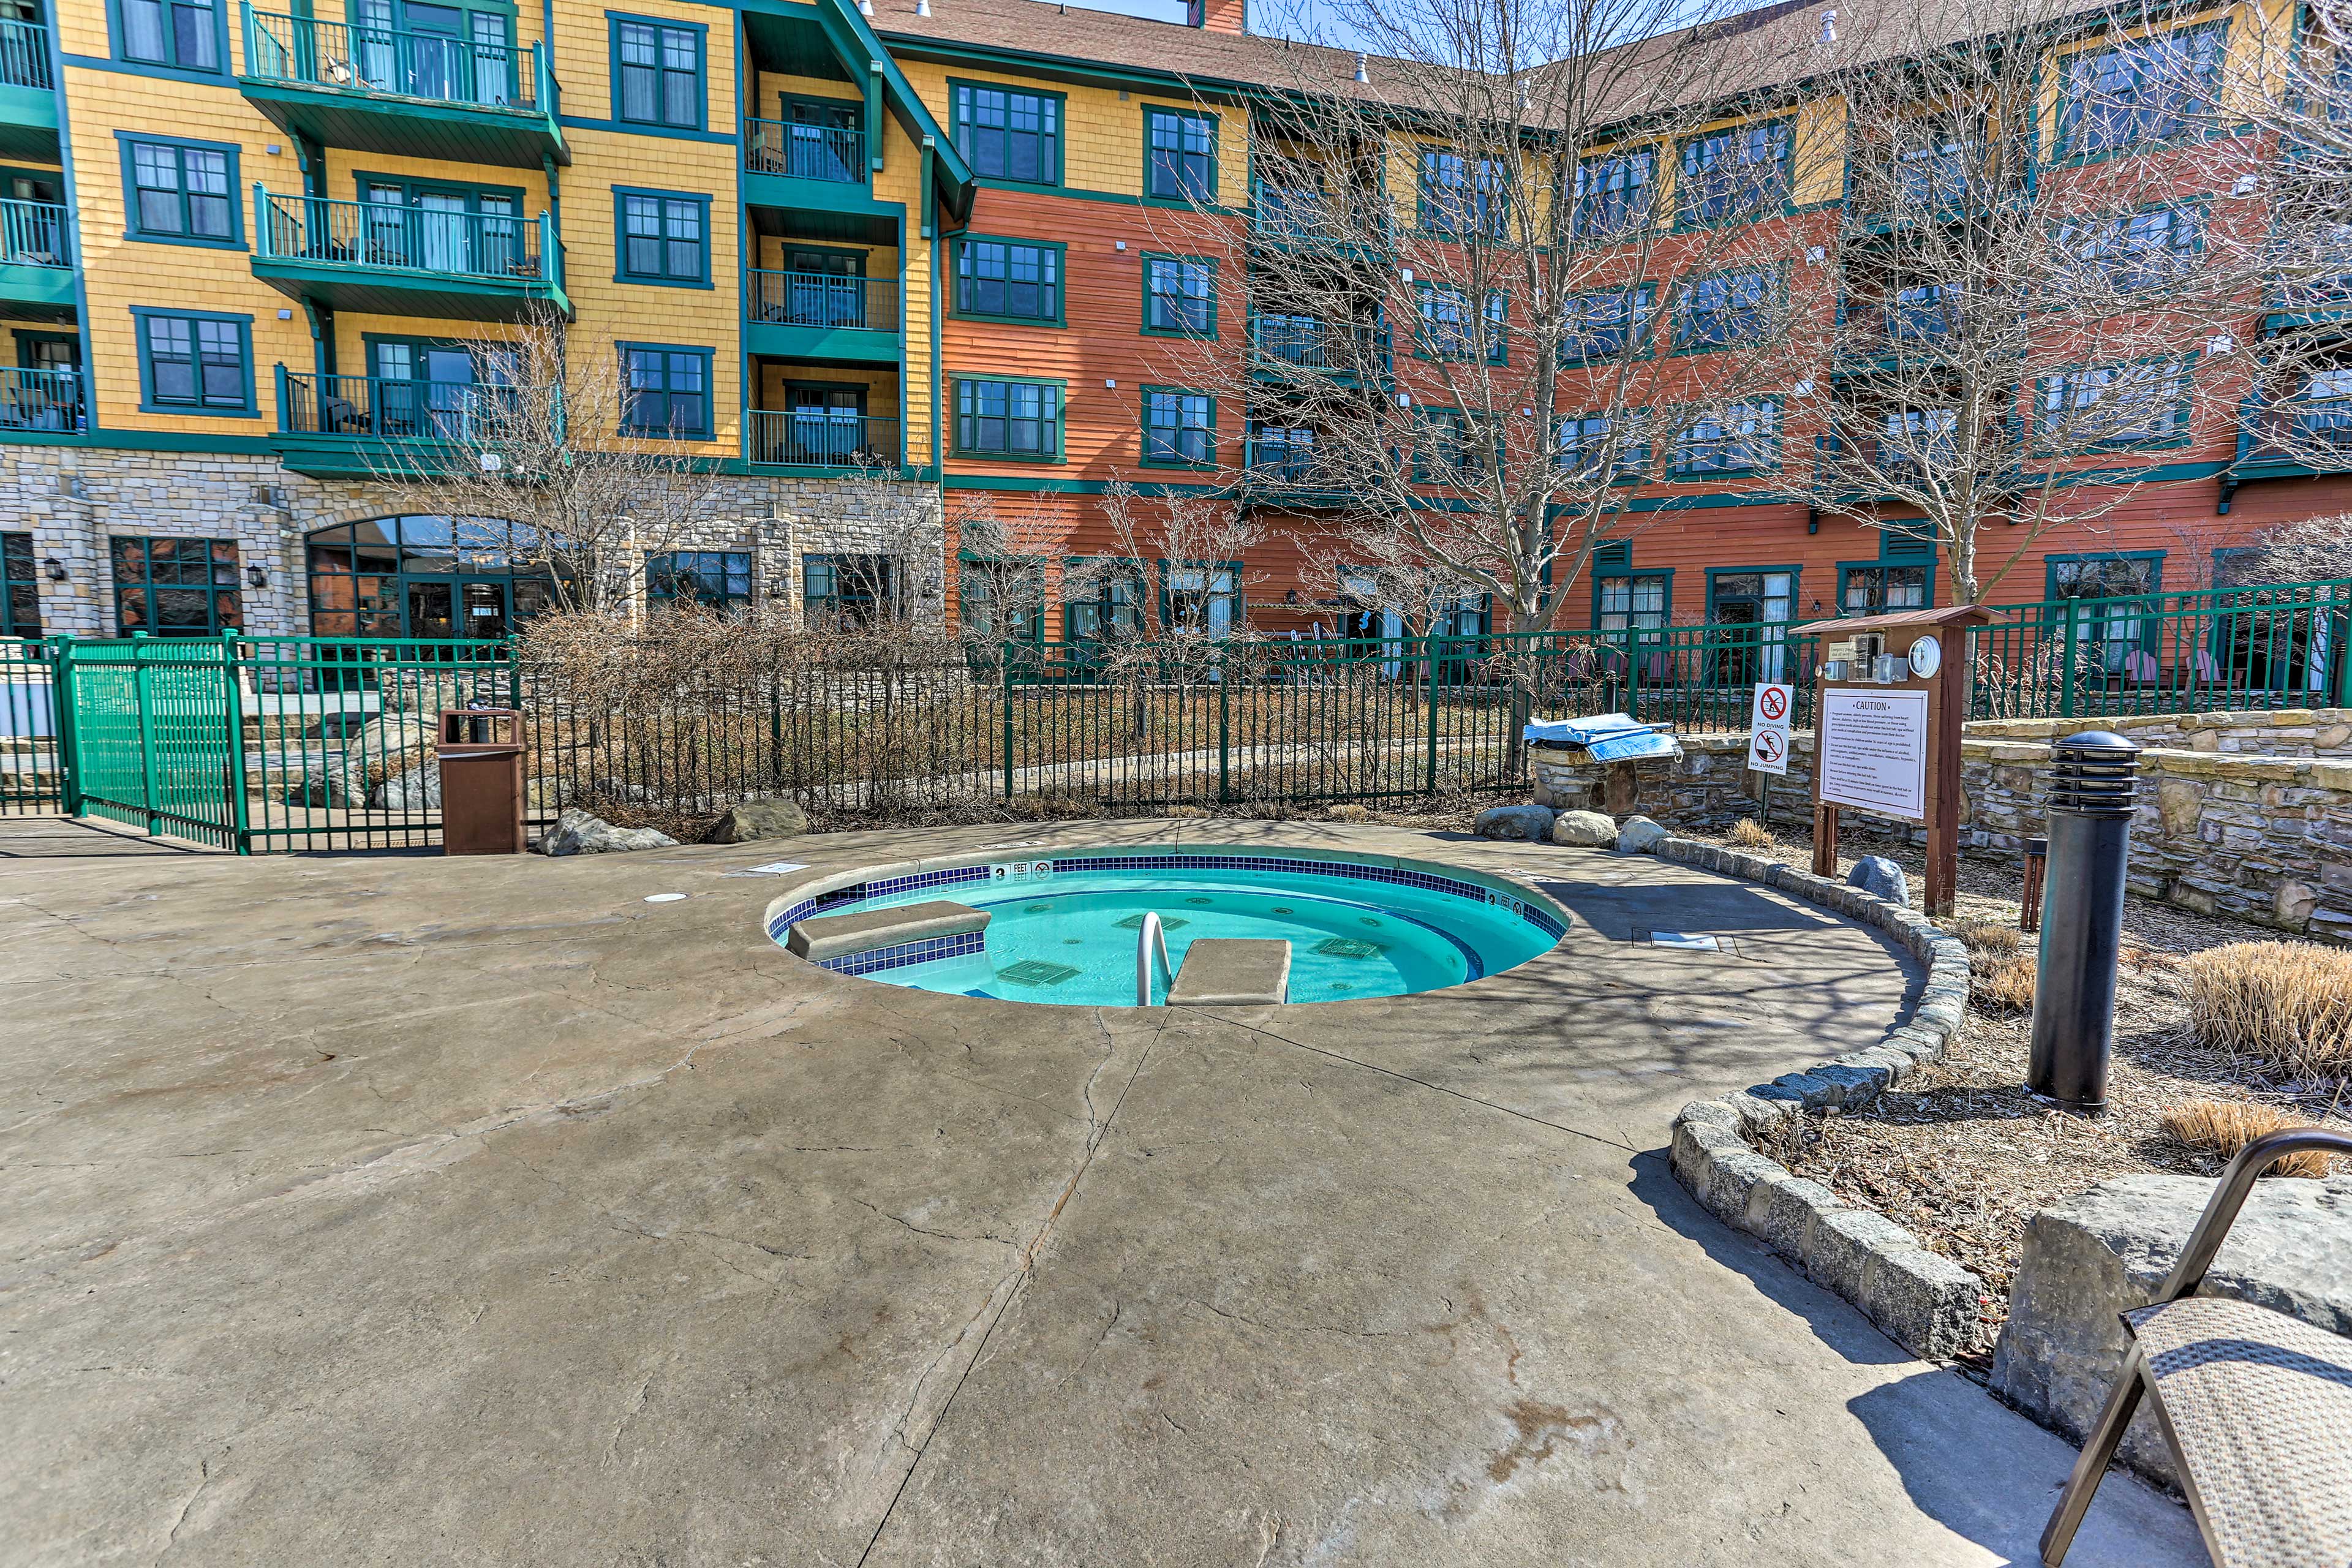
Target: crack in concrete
{"points": [[204, 1479]]}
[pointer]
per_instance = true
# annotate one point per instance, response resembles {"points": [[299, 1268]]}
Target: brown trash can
{"points": [[480, 754]]}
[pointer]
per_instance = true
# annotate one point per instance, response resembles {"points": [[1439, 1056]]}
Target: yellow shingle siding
{"points": [[1102, 129], [583, 64]]}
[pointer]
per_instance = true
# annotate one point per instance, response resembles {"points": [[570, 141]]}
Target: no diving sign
{"points": [[1767, 727]]}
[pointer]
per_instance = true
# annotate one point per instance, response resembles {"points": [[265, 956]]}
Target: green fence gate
{"points": [[155, 735], [32, 771]]}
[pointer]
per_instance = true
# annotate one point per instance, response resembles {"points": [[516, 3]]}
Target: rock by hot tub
{"points": [[1232, 972], [822, 938]]}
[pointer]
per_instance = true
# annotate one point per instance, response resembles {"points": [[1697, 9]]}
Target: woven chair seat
{"points": [[2259, 1408]]}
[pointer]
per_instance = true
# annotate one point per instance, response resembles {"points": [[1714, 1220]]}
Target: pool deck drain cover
{"points": [[1689, 941], [1036, 972]]}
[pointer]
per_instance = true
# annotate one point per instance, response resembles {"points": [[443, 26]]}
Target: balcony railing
{"points": [[42, 400], [1313, 345], [823, 299], [1305, 216], [1280, 462], [25, 55], [2315, 430], [824, 438], [397, 61], [391, 408], [379, 235], [35, 234], [832, 153]]}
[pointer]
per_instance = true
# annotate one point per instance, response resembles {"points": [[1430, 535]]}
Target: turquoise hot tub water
{"points": [[1064, 930]]}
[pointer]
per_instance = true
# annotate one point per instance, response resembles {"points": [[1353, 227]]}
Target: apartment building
{"points": [[249, 252]]}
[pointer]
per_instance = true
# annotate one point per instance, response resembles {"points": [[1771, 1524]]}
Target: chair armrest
{"points": [[2229, 1196]]}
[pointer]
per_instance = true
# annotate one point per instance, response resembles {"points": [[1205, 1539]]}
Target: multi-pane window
{"points": [[1923, 312], [657, 74], [1201, 599], [1464, 196], [181, 33], [1729, 308], [1179, 295], [1603, 325], [175, 587], [1742, 171], [720, 579], [20, 589], [2114, 627], [848, 590], [1631, 601], [2142, 89], [663, 239], [1181, 163], [1446, 329], [1002, 601], [1008, 135], [1009, 419], [2138, 250], [1282, 451], [181, 192], [1442, 451], [2136, 404], [196, 363], [1739, 438], [1918, 439], [1585, 448], [1004, 278], [1178, 427], [1612, 195], [1109, 602], [669, 391]]}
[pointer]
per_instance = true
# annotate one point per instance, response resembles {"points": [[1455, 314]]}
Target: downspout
{"points": [[322, 346], [874, 114]]}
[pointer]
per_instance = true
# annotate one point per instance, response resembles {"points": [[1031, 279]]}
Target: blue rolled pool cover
{"points": [[1607, 737]]}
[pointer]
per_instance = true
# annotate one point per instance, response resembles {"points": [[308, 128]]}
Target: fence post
{"points": [[139, 686], [1225, 732], [1007, 663], [233, 771], [1429, 675], [2074, 624], [2336, 629], [61, 720]]}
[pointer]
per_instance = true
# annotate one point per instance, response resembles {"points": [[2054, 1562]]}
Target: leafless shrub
{"points": [[1750, 834], [2004, 986], [2288, 1004], [2222, 1127], [2315, 550]]}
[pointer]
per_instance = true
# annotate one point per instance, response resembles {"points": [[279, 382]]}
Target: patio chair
{"points": [[2256, 1406]]}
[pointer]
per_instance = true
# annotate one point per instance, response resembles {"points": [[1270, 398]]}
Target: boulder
{"points": [[1526, 824], [1881, 879], [577, 832], [2107, 1250], [1640, 836], [418, 789], [750, 819], [1584, 830]]}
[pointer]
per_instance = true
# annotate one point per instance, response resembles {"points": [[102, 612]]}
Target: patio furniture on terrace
{"points": [[2255, 1405]]}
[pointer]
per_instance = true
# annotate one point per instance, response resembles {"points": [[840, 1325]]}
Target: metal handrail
{"points": [[834, 155], [383, 236], [25, 55], [1148, 936], [35, 234], [393, 60]]}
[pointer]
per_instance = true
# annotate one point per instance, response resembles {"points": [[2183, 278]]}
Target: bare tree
{"points": [[553, 457], [879, 543]]}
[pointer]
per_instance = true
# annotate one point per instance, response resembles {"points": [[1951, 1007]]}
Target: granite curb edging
{"points": [[1921, 1300]]}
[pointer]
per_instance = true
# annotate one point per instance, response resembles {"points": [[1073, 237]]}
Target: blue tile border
{"points": [[961, 945]]}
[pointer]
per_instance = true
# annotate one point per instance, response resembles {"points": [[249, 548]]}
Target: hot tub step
{"points": [[821, 938], [1232, 972]]}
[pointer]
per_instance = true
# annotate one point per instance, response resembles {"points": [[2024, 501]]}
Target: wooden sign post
{"points": [[1888, 705]]}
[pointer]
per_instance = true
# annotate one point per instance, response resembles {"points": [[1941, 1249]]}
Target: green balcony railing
{"points": [[823, 438], [2315, 431], [35, 234], [42, 400], [1310, 343], [382, 237], [390, 407], [397, 61], [25, 55], [832, 153], [823, 300]]}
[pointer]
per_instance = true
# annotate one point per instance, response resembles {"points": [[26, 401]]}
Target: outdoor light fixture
{"points": [[55, 568], [255, 578]]}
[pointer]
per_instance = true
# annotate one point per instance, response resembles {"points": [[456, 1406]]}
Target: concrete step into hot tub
{"points": [[1231, 972], [824, 939]]}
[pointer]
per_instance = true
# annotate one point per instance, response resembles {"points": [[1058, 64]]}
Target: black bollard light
{"points": [[2093, 791]]}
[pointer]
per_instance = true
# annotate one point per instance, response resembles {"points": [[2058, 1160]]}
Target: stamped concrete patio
{"points": [[408, 1211]]}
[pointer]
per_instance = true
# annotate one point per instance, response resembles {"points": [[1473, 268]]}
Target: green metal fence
{"points": [[32, 776], [157, 735]]}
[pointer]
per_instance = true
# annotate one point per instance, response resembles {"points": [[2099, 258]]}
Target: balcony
{"points": [[828, 439], [407, 261], [37, 265], [1292, 219], [1909, 326], [367, 426], [822, 315], [1282, 469], [388, 90], [28, 92], [2294, 437], [1283, 346], [796, 168], [42, 402]]}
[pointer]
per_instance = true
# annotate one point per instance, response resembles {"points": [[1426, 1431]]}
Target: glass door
{"points": [[828, 424], [437, 55], [432, 610], [495, 67], [441, 232], [821, 142], [485, 604], [825, 288]]}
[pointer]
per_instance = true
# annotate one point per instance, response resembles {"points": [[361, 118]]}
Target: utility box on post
{"points": [[479, 751]]}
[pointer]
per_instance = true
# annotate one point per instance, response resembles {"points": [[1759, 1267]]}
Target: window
{"points": [[1445, 332], [2116, 627], [1179, 296], [852, 592], [2138, 405], [1612, 196], [1181, 156], [668, 392], [1902, 578], [1001, 601], [1604, 325], [1631, 600], [657, 74], [1742, 439], [1583, 448], [194, 363], [20, 588], [1740, 171], [1008, 135], [665, 239], [1100, 600], [1918, 439], [1282, 451], [2138, 250], [1008, 278], [1200, 598], [184, 33], [720, 579], [1730, 308], [2145, 90], [1018, 419], [1442, 452], [1180, 428], [1463, 196], [182, 191], [175, 587], [1923, 312]]}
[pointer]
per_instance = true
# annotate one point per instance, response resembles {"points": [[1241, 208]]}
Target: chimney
{"points": [[1218, 15]]}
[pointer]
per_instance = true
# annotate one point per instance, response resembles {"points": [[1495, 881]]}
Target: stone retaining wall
{"points": [[2283, 732]]}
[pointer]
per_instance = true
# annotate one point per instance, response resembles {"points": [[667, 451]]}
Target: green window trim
{"points": [[1641, 324], [1683, 439], [1461, 433], [2051, 563], [1780, 129], [1590, 197], [684, 373], [1769, 304], [1054, 258], [971, 135], [171, 37], [2179, 419], [2065, 130], [1154, 115], [1634, 454], [715, 579], [1620, 568], [667, 111], [973, 413], [2196, 210], [1482, 195], [1173, 400], [978, 578], [412, 186], [1153, 262], [167, 338], [664, 215], [1107, 606], [219, 161], [166, 575], [1234, 592], [20, 586]]}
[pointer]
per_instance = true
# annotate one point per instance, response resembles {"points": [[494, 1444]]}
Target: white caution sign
{"points": [[1767, 727]]}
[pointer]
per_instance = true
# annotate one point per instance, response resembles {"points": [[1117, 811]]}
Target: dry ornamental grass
{"points": [[2286, 1004], [2222, 1127], [1749, 834]]}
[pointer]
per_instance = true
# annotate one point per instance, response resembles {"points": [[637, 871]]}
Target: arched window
{"points": [[424, 576]]}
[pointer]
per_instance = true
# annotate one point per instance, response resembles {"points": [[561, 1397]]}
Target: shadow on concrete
{"points": [[73, 838], [1617, 910]]}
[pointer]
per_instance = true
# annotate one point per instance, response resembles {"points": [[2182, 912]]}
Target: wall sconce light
{"points": [[55, 568], [255, 578]]}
